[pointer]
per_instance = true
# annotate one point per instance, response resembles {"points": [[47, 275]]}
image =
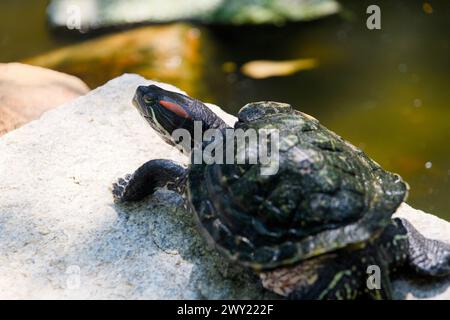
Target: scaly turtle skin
{"points": [[311, 230]]}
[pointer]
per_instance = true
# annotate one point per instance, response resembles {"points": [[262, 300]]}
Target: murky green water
{"points": [[23, 30], [385, 91]]}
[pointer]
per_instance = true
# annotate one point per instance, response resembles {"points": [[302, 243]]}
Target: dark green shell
{"points": [[326, 195]]}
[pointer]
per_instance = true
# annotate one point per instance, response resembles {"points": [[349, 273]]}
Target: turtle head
{"points": [[167, 111]]}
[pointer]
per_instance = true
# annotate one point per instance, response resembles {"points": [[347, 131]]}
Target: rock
{"points": [[277, 12], [62, 236], [171, 53], [86, 15], [26, 92]]}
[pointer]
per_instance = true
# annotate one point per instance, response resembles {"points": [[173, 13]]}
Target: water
{"points": [[23, 30], [385, 91]]}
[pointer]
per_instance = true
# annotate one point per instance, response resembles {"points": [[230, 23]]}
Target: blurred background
{"points": [[386, 91]]}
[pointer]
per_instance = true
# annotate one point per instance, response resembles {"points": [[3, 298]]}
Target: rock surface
{"points": [[61, 236], [26, 92], [98, 14]]}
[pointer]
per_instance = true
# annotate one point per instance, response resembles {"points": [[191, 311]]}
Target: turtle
{"points": [[320, 227]]}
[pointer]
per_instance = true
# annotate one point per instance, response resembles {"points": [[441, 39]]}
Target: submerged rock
{"points": [[27, 92], [62, 236], [170, 53], [276, 12], [87, 15]]}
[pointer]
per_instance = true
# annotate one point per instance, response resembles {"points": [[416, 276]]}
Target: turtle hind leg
{"points": [[359, 273], [426, 256], [337, 276], [147, 178], [332, 284]]}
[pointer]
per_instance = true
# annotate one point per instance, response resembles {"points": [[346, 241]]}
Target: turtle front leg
{"points": [[145, 180]]}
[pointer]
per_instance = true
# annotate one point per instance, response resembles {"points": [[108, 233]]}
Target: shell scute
{"points": [[326, 195]]}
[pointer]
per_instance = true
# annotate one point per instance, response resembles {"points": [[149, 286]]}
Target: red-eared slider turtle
{"points": [[314, 230]]}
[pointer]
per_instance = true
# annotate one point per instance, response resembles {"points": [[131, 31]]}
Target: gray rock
{"points": [[62, 237], [96, 14]]}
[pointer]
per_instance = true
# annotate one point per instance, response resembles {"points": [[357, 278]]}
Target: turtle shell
{"points": [[327, 194]]}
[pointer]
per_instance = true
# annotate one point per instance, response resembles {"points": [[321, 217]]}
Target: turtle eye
{"points": [[148, 99]]}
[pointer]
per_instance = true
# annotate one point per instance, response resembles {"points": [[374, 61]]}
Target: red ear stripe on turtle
{"points": [[175, 108]]}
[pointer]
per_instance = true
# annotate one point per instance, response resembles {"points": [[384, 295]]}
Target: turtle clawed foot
{"points": [[146, 179], [119, 189]]}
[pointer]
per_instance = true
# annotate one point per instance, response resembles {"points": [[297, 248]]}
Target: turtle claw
{"points": [[119, 188], [146, 179]]}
